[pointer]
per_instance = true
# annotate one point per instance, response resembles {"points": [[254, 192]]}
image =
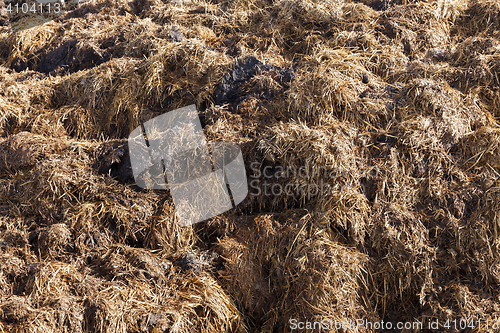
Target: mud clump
{"points": [[72, 57], [244, 71]]}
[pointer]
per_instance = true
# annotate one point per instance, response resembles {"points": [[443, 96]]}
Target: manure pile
{"points": [[390, 108]]}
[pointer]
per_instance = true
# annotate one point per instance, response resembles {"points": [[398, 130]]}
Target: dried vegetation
{"points": [[392, 106]]}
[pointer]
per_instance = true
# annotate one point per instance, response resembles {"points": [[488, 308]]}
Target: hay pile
{"points": [[380, 118]]}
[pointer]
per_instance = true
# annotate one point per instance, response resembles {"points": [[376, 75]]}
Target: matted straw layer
{"points": [[379, 118]]}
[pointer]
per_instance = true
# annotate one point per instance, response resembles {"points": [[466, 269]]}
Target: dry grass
{"points": [[393, 105]]}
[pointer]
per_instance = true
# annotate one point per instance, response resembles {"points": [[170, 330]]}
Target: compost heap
{"points": [[393, 105]]}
